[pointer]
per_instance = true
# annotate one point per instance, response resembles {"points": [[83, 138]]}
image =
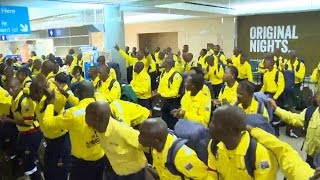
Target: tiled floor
{"points": [[295, 143]]}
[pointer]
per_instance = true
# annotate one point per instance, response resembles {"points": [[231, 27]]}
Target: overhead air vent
{"points": [[209, 5]]}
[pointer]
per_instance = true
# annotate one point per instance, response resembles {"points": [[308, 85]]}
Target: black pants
{"points": [[57, 158], [145, 103], [309, 160], [84, 170], [216, 90], [168, 106], [154, 83], [129, 73]]}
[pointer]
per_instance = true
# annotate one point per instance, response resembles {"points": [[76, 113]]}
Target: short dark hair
{"points": [[197, 80], [23, 70], [248, 86], [198, 70], [77, 68], [234, 71], [204, 50], [61, 78]]}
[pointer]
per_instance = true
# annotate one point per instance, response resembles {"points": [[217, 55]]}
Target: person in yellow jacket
{"points": [[57, 83], [102, 62], [159, 60], [190, 62], [24, 79], [141, 85], [273, 83], [315, 76], [154, 134], [119, 142], [93, 73], [36, 67], [246, 100], [130, 113], [312, 142], [215, 75], [228, 92], [235, 59], [299, 69], [5, 103], [244, 68], [145, 57], [108, 86], [219, 56], [88, 157], [278, 59], [33, 55], [290, 162], [205, 89], [202, 61], [169, 86], [30, 135], [195, 106], [57, 152], [77, 75], [229, 145]]}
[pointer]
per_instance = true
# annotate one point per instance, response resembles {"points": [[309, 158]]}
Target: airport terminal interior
{"points": [[159, 89]]}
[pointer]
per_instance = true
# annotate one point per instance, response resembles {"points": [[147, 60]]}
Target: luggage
{"points": [[305, 98]]}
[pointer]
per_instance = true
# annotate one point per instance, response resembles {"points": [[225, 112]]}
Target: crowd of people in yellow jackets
{"points": [[88, 132]]}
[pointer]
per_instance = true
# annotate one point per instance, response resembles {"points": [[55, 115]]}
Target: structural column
{"points": [[114, 33]]}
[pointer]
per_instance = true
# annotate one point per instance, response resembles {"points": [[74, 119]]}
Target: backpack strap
{"points": [[309, 112], [178, 143], [298, 66], [249, 158], [24, 95], [111, 84], [276, 78], [170, 80], [222, 89]]}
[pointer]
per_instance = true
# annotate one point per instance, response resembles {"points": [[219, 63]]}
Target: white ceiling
{"points": [[139, 10]]}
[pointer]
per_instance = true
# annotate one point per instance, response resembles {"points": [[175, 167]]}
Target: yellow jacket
{"points": [[312, 143], [230, 164], [245, 71], [26, 113], [215, 74], [278, 62], [253, 108], [235, 60], [122, 148], [74, 80], [299, 72], [202, 62], [168, 89], [85, 141], [132, 60], [290, 162], [110, 94], [130, 113], [186, 162], [47, 132], [5, 103], [315, 77], [222, 57], [261, 68], [189, 65], [270, 85], [229, 93], [95, 81], [197, 108], [141, 85]]}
